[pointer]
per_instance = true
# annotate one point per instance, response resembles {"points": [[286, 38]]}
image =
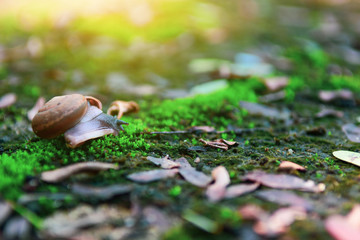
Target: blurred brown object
{"points": [[119, 108]]}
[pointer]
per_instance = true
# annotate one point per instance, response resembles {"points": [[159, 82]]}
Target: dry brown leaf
{"points": [[284, 181], [258, 109], [284, 198], [329, 113], [328, 96], [60, 174], [7, 100], [183, 162], [103, 193], [240, 189], [276, 83], [216, 191], [218, 143], [273, 97], [278, 222], [39, 104], [163, 162], [252, 212], [352, 132], [152, 175], [286, 165], [119, 108], [195, 177], [345, 227], [191, 175]]}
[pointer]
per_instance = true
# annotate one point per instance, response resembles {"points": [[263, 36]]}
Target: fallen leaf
{"points": [[195, 177], [119, 108], [240, 189], [201, 222], [278, 222], [284, 181], [163, 162], [284, 198], [252, 212], [39, 104], [184, 163], [103, 193], [258, 109], [219, 143], [216, 191], [7, 100], [276, 83], [58, 175], [348, 156], [286, 165], [345, 227], [352, 132], [329, 113], [328, 96], [191, 175], [152, 175]]}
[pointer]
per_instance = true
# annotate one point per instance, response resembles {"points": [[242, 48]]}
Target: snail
{"points": [[79, 117]]}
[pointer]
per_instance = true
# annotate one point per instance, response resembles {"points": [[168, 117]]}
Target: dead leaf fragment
{"points": [[284, 181], [216, 191], [195, 177], [286, 165], [5, 211], [103, 193], [329, 113], [240, 189], [278, 222], [7, 100], [152, 175], [258, 109], [276, 83], [163, 162], [252, 212], [39, 104], [119, 108], [60, 174], [284, 198], [345, 227], [218, 143], [348, 156], [352, 132], [183, 162], [328, 96]]}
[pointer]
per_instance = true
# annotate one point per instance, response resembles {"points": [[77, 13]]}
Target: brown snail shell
{"points": [[79, 117], [58, 115]]}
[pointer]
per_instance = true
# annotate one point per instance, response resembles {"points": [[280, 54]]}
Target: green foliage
{"points": [[208, 109], [348, 82]]}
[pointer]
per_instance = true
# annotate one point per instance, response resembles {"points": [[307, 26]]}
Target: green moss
{"points": [[349, 82]]}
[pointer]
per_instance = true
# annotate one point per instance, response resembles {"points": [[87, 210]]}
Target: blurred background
{"points": [[137, 48]]}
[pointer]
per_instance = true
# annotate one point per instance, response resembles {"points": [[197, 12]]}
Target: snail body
{"points": [[79, 117]]}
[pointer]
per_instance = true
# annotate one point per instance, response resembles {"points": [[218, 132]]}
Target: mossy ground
{"points": [[26, 156]]}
